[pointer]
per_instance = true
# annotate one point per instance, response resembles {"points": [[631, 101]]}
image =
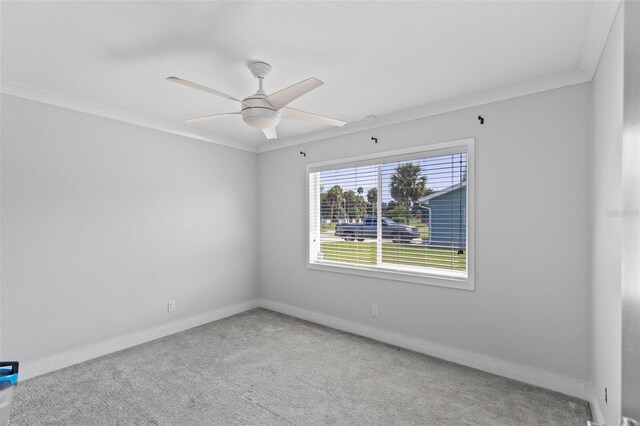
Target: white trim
{"points": [[379, 214], [51, 363], [555, 81], [599, 25], [594, 404], [537, 377], [523, 373], [402, 274], [42, 96], [395, 275], [434, 149], [471, 213]]}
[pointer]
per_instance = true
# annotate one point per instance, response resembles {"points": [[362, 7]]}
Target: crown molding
{"points": [[42, 96], [599, 24], [598, 28], [480, 98]]}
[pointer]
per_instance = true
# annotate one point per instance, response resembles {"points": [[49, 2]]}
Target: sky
{"points": [[441, 172]]}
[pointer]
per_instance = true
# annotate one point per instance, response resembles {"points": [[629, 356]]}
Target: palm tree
{"points": [[334, 198], [354, 205], [372, 198], [372, 195], [408, 184]]}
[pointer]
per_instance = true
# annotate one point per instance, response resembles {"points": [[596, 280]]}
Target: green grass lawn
{"points": [[422, 227], [364, 253], [325, 227]]}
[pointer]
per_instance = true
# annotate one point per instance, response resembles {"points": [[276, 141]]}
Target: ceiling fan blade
{"points": [[291, 93], [209, 117], [296, 114], [270, 133], [201, 87]]}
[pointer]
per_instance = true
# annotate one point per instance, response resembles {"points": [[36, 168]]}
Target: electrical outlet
{"points": [[171, 306], [374, 310], [606, 397]]}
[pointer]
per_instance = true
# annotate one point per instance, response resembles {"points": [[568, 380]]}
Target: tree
{"points": [[372, 199], [372, 195], [324, 205], [334, 198], [355, 206], [408, 184]]}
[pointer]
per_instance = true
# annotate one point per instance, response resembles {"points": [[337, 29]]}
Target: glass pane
{"points": [[423, 214], [348, 202], [426, 198]]}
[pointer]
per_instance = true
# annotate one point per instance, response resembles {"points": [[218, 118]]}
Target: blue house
{"points": [[447, 216]]}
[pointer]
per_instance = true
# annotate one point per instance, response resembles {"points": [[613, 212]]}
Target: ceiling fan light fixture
{"points": [[261, 118]]}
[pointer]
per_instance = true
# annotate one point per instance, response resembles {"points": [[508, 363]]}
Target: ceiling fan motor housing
{"points": [[258, 113]]}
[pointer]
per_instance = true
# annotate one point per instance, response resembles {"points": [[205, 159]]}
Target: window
{"points": [[423, 197]]}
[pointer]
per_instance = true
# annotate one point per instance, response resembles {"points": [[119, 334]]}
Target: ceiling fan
{"points": [[263, 111]]}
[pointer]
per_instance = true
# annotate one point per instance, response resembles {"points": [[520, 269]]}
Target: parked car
{"points": [[391, 230]]}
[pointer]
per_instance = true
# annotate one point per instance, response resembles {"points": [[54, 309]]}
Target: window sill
{"points": [[462, 283]]}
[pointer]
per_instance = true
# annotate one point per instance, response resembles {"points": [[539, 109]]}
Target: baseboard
{"points": [[545, 379], [523, 373], [594, 404], [51, 363]]}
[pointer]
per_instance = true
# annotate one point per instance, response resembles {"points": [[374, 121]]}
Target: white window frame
{"points": [[417, 277]]}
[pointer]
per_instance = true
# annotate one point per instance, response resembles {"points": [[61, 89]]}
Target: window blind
{"points": [[406, 214]]}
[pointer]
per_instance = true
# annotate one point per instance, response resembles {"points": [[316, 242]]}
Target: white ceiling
{"points": [[376, 58]]}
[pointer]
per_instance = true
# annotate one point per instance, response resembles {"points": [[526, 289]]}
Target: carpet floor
{"points": [[265, 368]]}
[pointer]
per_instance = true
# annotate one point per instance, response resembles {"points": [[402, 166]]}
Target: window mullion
{"points": [[314, 216], [378, 215]]}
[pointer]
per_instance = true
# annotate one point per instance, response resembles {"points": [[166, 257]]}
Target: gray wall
{"points": [[104, 222], [532, 208], [606, 181]]}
